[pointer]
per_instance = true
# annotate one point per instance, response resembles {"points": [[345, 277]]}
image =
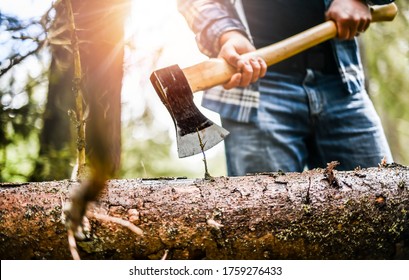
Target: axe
{"points": [[175, 87]]}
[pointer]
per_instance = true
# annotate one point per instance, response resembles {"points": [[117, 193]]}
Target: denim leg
{"points": [[277, 141], [244, 148], [306, 121], [346, 128], [283, 116]]}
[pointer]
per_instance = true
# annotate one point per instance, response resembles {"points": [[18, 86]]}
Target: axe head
{"points": [[194, 132]]}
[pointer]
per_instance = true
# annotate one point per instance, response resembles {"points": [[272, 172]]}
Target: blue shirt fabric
{"points": [[210, 18], [271, 21]]}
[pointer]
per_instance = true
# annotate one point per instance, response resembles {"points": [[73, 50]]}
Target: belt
{"points": [[319, 58]]}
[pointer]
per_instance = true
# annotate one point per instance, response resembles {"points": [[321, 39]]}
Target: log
{"points": [[317, 214]]}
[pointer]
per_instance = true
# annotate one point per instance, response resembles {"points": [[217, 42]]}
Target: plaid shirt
{"points": [[210, 18]]}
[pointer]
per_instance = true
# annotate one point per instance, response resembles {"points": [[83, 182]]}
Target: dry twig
{"points": [[109, 219], [72, 244]]}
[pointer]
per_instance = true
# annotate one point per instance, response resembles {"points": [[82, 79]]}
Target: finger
{"points": [[365, 22], [230, 55], [343, 32], [364, 25], [361, 27], [233, 82], [353, 31], [246, 73], [233, 60], [354, 27], [263, 67], [255, 64]]}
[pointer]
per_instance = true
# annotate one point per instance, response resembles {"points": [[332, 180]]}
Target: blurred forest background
{"points": [[37, 123]]}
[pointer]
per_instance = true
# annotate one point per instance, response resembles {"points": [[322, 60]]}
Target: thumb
{"points": [[230, 54]]}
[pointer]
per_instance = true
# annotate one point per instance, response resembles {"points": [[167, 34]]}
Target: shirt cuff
{"points": [[208, 39]]}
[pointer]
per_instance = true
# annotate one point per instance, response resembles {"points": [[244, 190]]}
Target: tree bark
{"points": [[362, 214], [100, 29], [56, 139]]}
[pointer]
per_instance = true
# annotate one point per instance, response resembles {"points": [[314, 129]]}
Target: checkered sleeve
{"points": [[209, 20]]}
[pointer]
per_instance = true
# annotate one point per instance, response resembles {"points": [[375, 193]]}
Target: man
{"points": [[304, 112]]}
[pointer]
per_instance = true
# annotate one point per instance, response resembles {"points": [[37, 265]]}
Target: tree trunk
{"points": [[56, 140], [362, 214], [56, 155], [100, 30]]}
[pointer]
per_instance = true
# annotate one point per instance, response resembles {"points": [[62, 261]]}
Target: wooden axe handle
{"points": [[217, 71]]}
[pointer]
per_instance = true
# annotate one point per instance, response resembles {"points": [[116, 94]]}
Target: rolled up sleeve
{"points": [[209, 20]]}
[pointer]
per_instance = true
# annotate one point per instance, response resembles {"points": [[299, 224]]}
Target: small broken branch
{"points": [[330, 174], [165, 255], [207, 175], [118, 221], [73, 245]]}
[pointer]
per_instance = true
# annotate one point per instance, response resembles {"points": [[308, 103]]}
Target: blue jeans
{"points": [[306, 121]]}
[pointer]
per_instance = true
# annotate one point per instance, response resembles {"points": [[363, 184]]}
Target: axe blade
{"points": [[174, 91], [190, 144]]}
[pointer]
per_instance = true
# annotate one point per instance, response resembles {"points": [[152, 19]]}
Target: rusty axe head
{"points": [[194, 131]]}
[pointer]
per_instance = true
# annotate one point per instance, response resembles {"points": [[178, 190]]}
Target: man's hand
{"points": [[351, 17], [232, 45]]}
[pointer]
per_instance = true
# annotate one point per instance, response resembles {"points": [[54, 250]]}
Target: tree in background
{"points": [[57, 150], [100, 30], [22, 42]]}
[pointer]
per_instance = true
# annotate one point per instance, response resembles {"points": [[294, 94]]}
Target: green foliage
{"points": [[18, 159], [20, 121], [387, 59], [139, 155], [22, 78], [146, 150]]}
